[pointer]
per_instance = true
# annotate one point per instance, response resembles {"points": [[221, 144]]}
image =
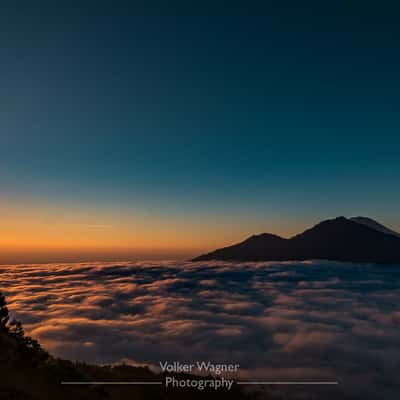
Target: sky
{"points": [[165, 130]]}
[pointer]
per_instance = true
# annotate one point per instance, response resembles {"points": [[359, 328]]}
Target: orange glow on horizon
{"points": [[66, 229]]}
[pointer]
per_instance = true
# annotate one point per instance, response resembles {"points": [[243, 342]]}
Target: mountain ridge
{"points": [[374, 225], [338, 239]]}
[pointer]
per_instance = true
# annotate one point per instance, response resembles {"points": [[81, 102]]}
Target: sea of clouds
{"points": [[279, 321]]}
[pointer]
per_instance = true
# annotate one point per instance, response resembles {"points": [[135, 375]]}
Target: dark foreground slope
{"points": [[339, 239], [28, 372]]}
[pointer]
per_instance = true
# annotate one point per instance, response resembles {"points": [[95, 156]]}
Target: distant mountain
{"points": [[340, 239], [375, 225]]}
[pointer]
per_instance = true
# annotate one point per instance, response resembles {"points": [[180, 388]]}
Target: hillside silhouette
{"points": [[341, 239], [28, 372]]}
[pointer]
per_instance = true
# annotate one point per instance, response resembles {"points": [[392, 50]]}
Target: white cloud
{"points": [[295, 320]]}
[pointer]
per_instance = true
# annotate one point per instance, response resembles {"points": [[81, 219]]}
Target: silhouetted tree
{"points": [[28, 348], [15, 328], [4, 317]]}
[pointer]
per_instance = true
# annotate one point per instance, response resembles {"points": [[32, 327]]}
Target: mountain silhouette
{"points": [[374, 225], [359, 239]]}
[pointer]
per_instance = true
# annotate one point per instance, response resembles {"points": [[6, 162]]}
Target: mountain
{"points": [[374, 225], [339, 239]]}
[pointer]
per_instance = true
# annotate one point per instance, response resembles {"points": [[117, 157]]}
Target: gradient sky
{"points": [[173, 129]]}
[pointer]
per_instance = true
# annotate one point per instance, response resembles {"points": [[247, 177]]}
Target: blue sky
{"points": [[259, 119]]}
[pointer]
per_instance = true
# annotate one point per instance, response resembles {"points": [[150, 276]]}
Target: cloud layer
{"points": [[308, 320]]}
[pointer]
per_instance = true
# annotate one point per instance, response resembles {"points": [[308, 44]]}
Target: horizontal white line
{"points": [[239, 383], [112, 383], [287, 383]]}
